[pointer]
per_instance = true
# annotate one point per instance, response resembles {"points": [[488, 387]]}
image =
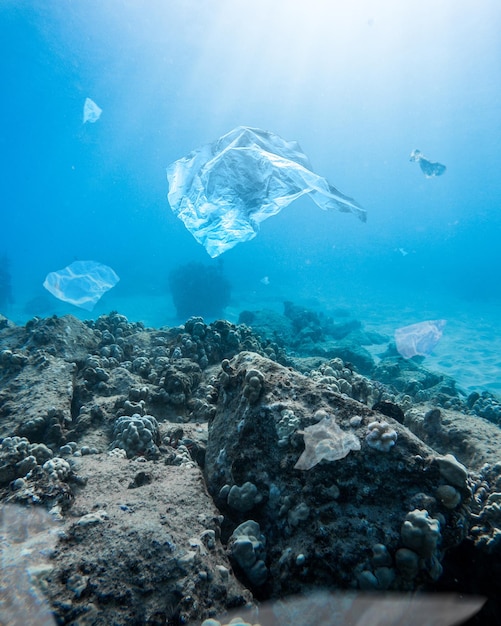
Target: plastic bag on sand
{"points": [[223, 190], [419, 339], [91, 112], [82, 283]]}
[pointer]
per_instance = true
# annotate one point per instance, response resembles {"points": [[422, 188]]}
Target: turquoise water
{"points": [[359, 85]]}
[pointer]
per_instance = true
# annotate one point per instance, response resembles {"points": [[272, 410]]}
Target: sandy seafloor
{"points": [[469, 351]]}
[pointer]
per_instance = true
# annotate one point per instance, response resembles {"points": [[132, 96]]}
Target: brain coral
{"points": [[137, 435], [381, 436]]}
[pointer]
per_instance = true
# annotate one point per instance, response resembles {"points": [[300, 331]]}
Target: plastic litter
{"points": [[28, 535], [223, 190], [91, 112], [325, 441], [419, 339], [359, 608], [429, 168], [82, 283]]}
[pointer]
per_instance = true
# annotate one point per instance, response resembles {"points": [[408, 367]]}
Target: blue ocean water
{"points": [[358, 84]]}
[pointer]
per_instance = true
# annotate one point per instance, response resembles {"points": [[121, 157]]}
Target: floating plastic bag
{"points": [[223, 190], [82, 283], [419, 339], [91, 112], [429, 168]]}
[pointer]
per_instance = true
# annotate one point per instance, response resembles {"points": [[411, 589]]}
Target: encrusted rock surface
{"points": [[321, 525], [141, 543], [209, 510]]}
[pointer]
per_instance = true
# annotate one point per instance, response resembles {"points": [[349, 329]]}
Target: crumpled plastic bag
{"points": [[429, 168], [223, 190], [419, 339], [325, 440], [82, 283], [91, 112]]}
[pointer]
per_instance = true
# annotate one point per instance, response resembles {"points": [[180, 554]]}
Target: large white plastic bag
{"points": [[223, 190], [81, 283]]}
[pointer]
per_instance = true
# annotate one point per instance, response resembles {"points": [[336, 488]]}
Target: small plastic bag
{"points": [[429, 168], [82, 283], [91, 112]]}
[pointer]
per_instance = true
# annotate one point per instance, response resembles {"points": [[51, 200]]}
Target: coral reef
{"points": [[248, 550], [302, 510], [137, 435], [381, 436], [486, 405], [192, 469]]}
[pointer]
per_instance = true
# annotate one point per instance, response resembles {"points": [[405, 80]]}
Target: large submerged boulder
{"points": [[371, 516]]}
